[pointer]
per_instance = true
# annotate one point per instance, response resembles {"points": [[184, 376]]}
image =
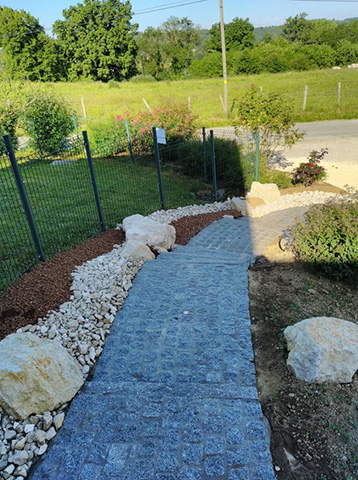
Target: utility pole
{"points": [[223, 50]]}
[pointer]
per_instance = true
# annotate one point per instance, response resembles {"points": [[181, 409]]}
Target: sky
{"points": [[261, 13]]}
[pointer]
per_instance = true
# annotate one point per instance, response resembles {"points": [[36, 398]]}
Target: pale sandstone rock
{"points": [[137, 249], [323, 349], [268, 192], [160, 236], [255, 202], [35, 375]]}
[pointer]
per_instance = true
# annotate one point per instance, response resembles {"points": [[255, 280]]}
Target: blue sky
{"points": [[260, 12]]}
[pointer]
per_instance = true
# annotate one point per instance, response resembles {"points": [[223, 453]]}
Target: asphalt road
{"points": [[340, 137], [329, 129]]}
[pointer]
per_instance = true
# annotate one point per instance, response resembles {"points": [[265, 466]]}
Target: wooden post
{"points": [[146, 104], [339, 94], [222, 104], [305, 98], [189, 105], [261, 91], [84, 109]]}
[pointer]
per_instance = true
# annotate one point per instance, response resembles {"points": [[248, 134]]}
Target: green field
{"points": [[104, 101]]}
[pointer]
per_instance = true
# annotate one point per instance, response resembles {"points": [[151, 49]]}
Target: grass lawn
{"points": [[104, 101], [63, 204]]}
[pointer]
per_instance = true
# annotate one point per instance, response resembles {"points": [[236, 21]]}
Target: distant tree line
{"points": [[97, 40]]}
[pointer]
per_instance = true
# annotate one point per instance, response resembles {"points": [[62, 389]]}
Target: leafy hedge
{"points": [[327, 240]]}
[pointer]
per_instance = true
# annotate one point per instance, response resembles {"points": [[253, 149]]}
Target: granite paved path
{"points": [[173, 395]]}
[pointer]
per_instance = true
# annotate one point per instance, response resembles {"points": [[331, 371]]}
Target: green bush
{"points": [[327, 240], [310, 172], [47, 120]]}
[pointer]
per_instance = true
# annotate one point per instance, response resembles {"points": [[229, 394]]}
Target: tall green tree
{"points": [[239, 34], [27, 51], [150, 58], [180, 42], [97, 38], [295, 27]]}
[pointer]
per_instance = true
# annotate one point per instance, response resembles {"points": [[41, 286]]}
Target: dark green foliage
{"points": [[327, 240], [239, 34], [47, 120], [27, 52], [310, 172], [97, 39], [207, 67], [167, 51]]}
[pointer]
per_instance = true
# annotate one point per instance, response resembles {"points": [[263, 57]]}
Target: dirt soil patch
{"points": [[48, 285], [314, 427]]}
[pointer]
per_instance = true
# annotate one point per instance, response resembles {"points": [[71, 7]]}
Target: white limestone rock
{"points": [[35, 375], [268, 192], [323, 349], [136, 249], [160, 236], [239, 204]]}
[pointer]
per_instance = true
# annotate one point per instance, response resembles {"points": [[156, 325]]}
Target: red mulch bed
{"points": [[48, 285]]}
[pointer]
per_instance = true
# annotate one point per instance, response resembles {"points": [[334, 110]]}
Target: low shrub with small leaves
{"points": [[327, 240], [310, 172]]}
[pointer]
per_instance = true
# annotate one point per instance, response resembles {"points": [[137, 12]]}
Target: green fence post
{"points": [[204, 156], [37, 137], [24, 199], [257, 135], [213, 165], [93, 178], [159, 170], [129, 140], [75, 124]]}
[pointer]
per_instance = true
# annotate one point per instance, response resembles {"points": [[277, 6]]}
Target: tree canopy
{"points": [[27, 51], [168, 50], [239, 34], [97, 39]]}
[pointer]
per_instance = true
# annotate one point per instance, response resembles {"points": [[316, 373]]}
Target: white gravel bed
{"points": [[302, 199], [82, 324]]}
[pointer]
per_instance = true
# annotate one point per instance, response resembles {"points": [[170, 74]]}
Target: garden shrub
{"points": [[178, 123], [327, 240], [47, 120], [310, 172]]}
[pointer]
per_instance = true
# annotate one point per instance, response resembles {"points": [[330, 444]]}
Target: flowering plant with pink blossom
{"points": [[178, 123], [310, 172]]}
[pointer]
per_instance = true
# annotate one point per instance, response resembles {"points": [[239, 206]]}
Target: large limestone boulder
{"points": [[266, 192], [323, 349], [36, 375], [159, 236]]}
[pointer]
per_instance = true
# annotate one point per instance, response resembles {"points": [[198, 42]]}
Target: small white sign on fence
{"points": [[161, 136]]}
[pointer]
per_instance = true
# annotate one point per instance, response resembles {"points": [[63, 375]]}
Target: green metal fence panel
{"points": [[17, 250]]}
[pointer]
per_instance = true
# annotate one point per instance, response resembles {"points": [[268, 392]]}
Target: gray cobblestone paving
{"points": [[173, 395]]}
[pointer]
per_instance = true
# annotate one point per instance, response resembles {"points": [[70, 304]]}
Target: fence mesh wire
{"points": [[62, 199], [17, 251]]}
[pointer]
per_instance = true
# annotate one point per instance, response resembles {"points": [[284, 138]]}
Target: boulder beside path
{"points": [[323, 349], [36, 375]]}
